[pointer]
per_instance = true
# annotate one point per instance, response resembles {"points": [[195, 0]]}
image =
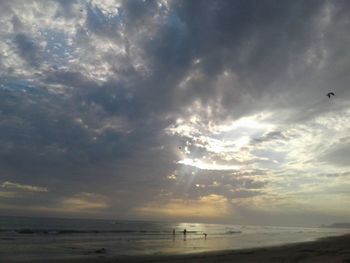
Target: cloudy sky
{"points": [[207, 111]]}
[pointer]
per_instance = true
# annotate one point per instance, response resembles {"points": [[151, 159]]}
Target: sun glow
{"points": [[210, 206], [207, 166]]}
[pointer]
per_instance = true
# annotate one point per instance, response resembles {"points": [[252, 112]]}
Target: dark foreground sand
{"points": [[330, 250]]}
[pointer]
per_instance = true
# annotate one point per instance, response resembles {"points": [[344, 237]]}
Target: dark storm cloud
{"points": [[28, 49], [217, 34], [262, 43], [38, 131]]}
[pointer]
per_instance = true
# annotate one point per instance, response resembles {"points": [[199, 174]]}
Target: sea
{"points": [[37, 238]]}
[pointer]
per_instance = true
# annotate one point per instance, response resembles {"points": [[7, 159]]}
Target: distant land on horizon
{"points": [[338, 225]]}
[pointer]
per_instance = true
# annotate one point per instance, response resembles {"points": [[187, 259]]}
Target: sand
{"points": [[330, 250]]}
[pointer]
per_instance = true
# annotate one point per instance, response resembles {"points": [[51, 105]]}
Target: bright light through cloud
{"points": [[254, 122], [225, 144], [207, 166]]}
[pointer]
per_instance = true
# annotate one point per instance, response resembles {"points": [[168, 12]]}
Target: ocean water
{"points": [[31, 238]]}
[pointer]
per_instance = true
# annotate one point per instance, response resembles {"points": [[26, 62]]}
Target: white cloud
{"points": [[24, 187]]}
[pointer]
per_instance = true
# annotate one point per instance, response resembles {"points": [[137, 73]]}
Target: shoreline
{"points": [[327, 249]]}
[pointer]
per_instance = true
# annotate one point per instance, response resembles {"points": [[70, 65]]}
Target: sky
{"points": [[192, 111]]}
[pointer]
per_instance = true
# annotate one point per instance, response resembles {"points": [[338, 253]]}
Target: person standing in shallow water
{"points": [[185, 231]]}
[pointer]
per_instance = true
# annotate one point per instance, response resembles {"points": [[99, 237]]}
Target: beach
{"points": [[331, 249]]}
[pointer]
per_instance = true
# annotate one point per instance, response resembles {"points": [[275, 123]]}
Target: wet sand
{"points": [[330, 250]]}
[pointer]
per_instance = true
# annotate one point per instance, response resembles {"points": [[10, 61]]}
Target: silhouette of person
{"points": [[185, 231], [205, 235]]}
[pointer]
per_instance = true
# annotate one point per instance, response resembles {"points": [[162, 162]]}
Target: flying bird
{"points": [[329, 94]]}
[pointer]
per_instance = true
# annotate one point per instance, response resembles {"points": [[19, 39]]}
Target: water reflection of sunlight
{"points": [[194, 229]]}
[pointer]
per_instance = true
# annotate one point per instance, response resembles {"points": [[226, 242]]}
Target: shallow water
{"points": [[50, 237]]}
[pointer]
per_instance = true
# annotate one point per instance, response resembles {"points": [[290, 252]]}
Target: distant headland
{"points": [[337, 225]]}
